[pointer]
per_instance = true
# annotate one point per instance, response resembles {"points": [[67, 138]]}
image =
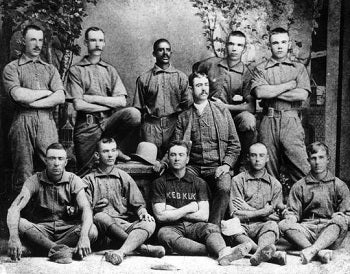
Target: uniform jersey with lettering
{"points": [[178, 192]]}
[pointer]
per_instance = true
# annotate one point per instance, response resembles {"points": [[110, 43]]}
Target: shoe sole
{"points": [[238, 252]]}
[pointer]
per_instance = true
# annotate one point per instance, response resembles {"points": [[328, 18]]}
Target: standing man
{"points": [[318, 211], [161, 94], [282, 85], [229, 81], [215, 144], [180, 204], [36, 89], [99, 97], [52, 230], [119, 208], [256, 196]]}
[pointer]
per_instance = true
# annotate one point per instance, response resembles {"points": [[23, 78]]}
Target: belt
{"points": [[162, 121], [94, 117], [272, 112], [36, 112]]}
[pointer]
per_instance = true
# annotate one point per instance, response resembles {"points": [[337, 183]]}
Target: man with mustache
{"points": [[36, 89], [283, 85], [215, 144], [229, 80], [99, 97], [161, 94]]}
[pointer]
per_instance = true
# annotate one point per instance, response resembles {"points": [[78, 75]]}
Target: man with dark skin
{"points": [[318, 212], [51, 228], [161, 94]]}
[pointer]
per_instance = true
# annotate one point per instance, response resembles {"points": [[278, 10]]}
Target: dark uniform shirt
{"points": [[226, 82], [123, 194], [272, 72], [310, 198], [32, 74], [100, 79], [177, 192], [160, 93], [50, 200], [257, 192]]}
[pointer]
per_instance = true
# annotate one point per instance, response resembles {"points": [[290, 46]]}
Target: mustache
{"points": [[166, 55], [37, 48]]}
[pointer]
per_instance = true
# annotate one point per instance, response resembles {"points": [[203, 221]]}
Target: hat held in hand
{"points": [[145, 152], [231, 227]]}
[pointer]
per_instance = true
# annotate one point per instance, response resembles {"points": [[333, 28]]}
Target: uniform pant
{"points": [[245, 123], [123, 125], [31, 132], [284, 138], [219, 188], [159, 132]]}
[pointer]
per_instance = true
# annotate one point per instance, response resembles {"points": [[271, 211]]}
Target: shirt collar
{"points": [[239, 67], [157, 69], [309, 179], [24, 59], [85, 62], [171, 177], [65, 178], [114, 172], [272, 62], [265, 177]]}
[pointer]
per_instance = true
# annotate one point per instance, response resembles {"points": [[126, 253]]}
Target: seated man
{"points": [[318, 209], [255, 195], [180, 204], [52, 231], [119, 207], [215, 144]]}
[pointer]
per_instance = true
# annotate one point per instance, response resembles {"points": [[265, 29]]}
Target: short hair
{"points": [[28, 27], [257, 144], [237, 33], [316, 147], [180, 143], [278, 31], [92, 29], [105, 141], [57, 146], [196, 74], [161, 40]]}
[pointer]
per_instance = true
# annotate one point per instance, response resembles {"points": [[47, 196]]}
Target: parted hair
{"points": [[105, 141], [92, 29], [315, 147], [31, 26], [161, 40], [57, 146], [196, 74], [180, 143]]}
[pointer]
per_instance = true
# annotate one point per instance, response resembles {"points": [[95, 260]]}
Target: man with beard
{"points": [[161, 94], [99, 97], [36, 89], [229, 81], [215, 144]]}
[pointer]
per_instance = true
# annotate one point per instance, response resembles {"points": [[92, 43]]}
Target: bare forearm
{"points": [[293, 95], [81, 105], [107, 101], [50, 101], [12, 221], [239, 108], [249, 214], [197, 217], [272, 91], [27, 96], [86, 218]]}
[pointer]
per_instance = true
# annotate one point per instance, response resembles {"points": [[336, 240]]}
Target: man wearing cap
{"points": [[215, 144], [229, 81], [52, 230], [282, 85], [180, 204], [161, 94], [36, 88], [255, 198], [119, 207], [318, 212], [99, 97]]}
